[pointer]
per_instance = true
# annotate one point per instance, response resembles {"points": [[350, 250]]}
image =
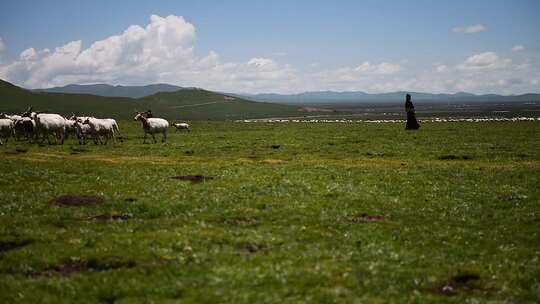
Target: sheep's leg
{"points": [[164, 139], [46, 134], [153, 137], [145, 137]]}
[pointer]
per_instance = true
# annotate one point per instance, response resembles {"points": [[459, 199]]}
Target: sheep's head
{"points": [[138, 116], [86, 121]]}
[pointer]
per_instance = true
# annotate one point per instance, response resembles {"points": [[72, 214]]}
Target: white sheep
{"points": [[100, 128], [114, 125], [47, 124], [6, 129], [83, 131], [181, 126], [153, 126]]}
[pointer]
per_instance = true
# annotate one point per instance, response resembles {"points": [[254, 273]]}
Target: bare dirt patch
{"points": [[194, 179], [74, 200], [6, 246], [455, 157], [464, 282], [275, 147], [130, 199], [366, 218]]}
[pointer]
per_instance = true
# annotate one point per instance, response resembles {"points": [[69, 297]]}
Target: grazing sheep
{"points": [[6, 129], [100, 128], [47, 124], [24, 127], [83, 131], [181, 126], [153, 126], [70, 127], [114, 125]]}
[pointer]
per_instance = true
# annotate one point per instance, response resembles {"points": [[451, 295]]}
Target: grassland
{"points": [[294, 213]]}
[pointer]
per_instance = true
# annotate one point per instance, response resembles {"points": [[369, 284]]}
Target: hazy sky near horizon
{"points": [[484, 46]]}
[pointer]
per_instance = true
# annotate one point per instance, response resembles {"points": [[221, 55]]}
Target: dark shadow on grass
{"points": [[6, 246], [109, 217], [194, 179], [73, 200], [71, 267], [460, 282]]}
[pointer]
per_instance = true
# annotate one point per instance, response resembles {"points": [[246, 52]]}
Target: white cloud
{"points": [[164, 51], [518, 48], [477, 28], [441, 68], [383, 68], [484, 61]]}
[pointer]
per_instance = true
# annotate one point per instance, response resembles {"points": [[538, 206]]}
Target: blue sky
{"points": [[278, 46]]}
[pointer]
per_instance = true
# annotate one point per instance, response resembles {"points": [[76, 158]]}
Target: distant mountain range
{"points": [[318, 98], [358, 97], [114, 91], [182, 104]]}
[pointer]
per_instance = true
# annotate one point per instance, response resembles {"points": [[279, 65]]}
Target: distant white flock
{"points": [[435, 120], [38, 127]]}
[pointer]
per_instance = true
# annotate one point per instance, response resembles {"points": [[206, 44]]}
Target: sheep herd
{"points": [[38, 127]]}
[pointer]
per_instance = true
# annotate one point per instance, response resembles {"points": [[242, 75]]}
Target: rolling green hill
{"points": [[186, 104]]}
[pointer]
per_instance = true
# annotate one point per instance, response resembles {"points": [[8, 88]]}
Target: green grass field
{"points": [[287, 213]]}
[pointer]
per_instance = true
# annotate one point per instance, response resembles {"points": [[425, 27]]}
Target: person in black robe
{"points": [[412, 123], [149, 114]]}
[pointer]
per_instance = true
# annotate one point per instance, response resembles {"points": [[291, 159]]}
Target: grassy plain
{"points": [[294, 213]]}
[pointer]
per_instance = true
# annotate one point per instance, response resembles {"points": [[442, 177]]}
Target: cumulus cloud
{"points": [[164, 51], [477, 28], [518, 48], [484, 61]]}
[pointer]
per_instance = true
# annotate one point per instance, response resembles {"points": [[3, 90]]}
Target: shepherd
{"points": [[412, 123]]}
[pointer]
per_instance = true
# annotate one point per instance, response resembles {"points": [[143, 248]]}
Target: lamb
{"points": [[181, 126], [100, 128], [6, 129], [153, 126]]}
